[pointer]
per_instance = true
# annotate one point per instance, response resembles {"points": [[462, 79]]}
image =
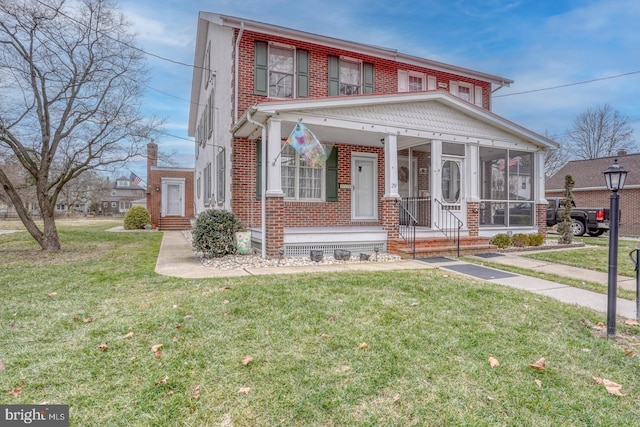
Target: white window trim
{"points": [[294, 88], [323, 184]]}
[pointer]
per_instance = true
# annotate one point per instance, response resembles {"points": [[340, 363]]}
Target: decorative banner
{"points": [[307, 145]]}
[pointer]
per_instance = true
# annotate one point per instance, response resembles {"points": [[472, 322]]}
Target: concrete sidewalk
{"points": [[176, 259]]}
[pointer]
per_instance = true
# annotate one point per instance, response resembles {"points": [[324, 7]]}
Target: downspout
{"points": [[237, 72], [263, 210]]}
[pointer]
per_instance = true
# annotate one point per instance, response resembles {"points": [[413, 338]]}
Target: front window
{"points": [[300, 180], [349, 77], [207, 184], [280, 72], [464, 92], [506, 189]]}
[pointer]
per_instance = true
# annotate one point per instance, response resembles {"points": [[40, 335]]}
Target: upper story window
{"points": [[281, 67], [467, 91], [349, 76], [280, 71], [413, 81]]}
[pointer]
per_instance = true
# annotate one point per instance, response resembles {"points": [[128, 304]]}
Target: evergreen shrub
{"points": [[214, 233], [136, 218]]}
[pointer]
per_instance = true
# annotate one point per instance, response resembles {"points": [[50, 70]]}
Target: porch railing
{"points": [[407, 228], [448, 223], [419, 208]]}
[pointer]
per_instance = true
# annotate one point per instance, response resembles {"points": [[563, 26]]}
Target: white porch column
{"points": [[538, 190], [436, 177], [274, 171], [391, 166], [473, 177]]}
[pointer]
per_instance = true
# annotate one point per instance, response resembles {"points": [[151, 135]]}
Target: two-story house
{"points": [[411, 148], [120, 197]]}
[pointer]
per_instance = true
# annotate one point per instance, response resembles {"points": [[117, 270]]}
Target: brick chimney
{"points": [[622, 152]]}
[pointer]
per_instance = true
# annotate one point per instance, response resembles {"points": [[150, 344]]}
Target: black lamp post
{"points": [[615, 175]]}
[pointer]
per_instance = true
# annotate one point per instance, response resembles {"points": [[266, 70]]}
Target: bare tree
{"points": [[600, 132], [70, 96], [554, 160]]}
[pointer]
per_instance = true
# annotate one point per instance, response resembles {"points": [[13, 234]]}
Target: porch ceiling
{"points": [[414, 117]]}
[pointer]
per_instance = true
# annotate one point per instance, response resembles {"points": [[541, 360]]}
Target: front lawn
{"points": [[94, 327], [595, 257]]}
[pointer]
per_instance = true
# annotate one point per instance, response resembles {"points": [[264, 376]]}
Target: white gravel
{"points": [[229, 262]]}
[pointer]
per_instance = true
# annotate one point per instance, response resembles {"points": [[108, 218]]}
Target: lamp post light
{"points": [[614, 176]]}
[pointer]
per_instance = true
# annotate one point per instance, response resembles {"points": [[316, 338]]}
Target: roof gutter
{"points": [[263, 209], [237, 72]]}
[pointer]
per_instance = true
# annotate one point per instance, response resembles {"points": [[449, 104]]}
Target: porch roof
{"points": [[366, 119]]}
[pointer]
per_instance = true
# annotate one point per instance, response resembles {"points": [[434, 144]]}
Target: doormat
{"points": [[489, 255], [479, 271], [437, 259]]}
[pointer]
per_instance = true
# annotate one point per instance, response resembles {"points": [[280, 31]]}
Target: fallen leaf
{"points": [[188, 316], [445, 275], [226, 288], [244, 390], [493, 362], [103, 347], [396, 397], [76, 319], [129, 335], [157, 354], [247, 359], [538, 383], [225, 301], [175, 339], [611, 387], [163, 381], [540, 364], [414, 304], [15, 392], [628, 351], [490, 398], [87, 319], [343, 369], [52, 294], [600, 325], [586, 350], [631, 322], [196, 392], [325, 335], [179, 326], [156, 347], [334, 318], [164, 325], [363, 345]]}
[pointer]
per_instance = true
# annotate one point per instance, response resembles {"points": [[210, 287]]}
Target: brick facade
{"points": [[155, 175]]}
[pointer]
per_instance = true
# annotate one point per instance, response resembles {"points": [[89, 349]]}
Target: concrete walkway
{"points": [[176, 259]]}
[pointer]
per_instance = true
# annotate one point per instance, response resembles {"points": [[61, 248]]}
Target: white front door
{"points": [[174, 199], [364, 186]]}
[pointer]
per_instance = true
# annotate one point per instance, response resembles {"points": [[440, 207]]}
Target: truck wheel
{"points": [[578, 227], [596, 233]]}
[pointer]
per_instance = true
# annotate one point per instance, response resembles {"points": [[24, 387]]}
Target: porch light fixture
{"points": [[614, 176]]}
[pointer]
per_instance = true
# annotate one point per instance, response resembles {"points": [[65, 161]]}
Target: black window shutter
{"points": [[261, 72], [334, 76], [259, 169], [332, 176], [303, 73], [368, 78]]}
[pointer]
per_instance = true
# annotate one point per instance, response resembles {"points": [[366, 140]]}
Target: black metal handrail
{"points": [[448, 223], [407, 228]]}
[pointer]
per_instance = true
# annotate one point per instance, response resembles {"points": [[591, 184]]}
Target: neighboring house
{"points": [[120, 197], [590, 189], [169, 194], [406, 137]]}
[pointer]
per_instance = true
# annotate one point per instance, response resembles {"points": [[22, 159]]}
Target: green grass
{"points": [[595, 257], [428, 335]]}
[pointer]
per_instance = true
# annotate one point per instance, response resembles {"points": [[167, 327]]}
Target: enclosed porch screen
{"points": [[506, 187]]}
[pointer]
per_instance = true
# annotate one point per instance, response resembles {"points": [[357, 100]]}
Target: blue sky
{"points": [[538, 44]]}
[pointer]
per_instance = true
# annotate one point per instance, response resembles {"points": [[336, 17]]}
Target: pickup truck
{"points": [[593, 221]]}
